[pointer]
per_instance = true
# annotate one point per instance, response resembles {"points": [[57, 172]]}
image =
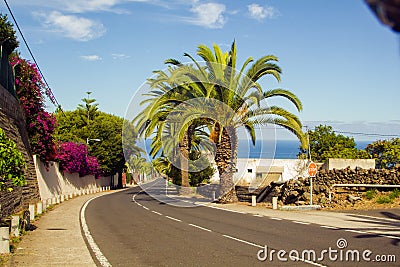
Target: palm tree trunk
{"points": [[184, 147], [225, 158]]}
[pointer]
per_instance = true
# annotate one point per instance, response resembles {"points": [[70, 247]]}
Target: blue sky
{"points": [[335, 55]]}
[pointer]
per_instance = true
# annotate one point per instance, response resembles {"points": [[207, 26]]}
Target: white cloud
{"points": [[80, 6], [209, 15], [70, 26], [119, 56], [91, 58], [259, 12]]}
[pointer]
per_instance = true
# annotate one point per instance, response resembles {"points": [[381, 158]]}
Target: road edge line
{"points": [[89, 239]]}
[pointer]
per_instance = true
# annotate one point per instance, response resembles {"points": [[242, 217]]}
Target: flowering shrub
{"points": [[40, 124], [12, 163], [73, 158]]}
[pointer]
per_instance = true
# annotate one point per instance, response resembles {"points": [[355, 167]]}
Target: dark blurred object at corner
{"points": [[387, 11]]}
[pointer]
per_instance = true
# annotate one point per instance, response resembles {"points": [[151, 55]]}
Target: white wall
{"points": [[290, 168], [340, 164], [53, 183]]}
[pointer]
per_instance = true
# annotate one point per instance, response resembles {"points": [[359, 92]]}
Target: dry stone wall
{"points": [[297, 191], [12, 121]]}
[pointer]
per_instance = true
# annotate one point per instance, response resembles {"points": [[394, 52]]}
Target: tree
{"points": [[159, 116], [135, 164], [88, 110], [325, 144], [103, 135], [8, 43], [385, 152], [227, 99], [239, 96]]}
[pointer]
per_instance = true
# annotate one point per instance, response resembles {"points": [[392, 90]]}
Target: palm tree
{"points": [[135, 164], [234, 97], [165, 96], [241, 92]]}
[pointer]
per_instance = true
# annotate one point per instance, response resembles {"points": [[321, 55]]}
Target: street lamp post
{"points": [[92, 139]]}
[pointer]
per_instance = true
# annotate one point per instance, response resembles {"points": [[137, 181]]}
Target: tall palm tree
{"points": [[241, 92], [234, 97], [164, 97]]}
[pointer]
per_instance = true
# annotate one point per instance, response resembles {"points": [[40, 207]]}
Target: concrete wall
{"points": [[53, 183], [13, 122], [247, 169], [340, 164]]}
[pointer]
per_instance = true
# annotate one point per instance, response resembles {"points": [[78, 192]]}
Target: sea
{"points": [[279, 149], [268, 149]]}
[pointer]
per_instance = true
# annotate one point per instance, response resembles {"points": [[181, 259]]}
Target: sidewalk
{"points": [[57, 241]]}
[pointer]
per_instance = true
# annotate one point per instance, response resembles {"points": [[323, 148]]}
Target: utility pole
{"points": [[311, 167]]}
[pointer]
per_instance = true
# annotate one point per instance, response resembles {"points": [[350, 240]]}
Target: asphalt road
{"points": [[132, 228]]}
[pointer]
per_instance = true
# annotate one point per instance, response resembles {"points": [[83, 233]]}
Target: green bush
{"points": [[394, 194], [12, 163], [384, 200], [370, 194]]}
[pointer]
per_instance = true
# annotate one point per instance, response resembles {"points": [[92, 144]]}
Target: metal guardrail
{"points": [[361, 185]]}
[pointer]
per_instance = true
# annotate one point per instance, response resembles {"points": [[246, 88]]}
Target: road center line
{"points": [[243, 241], [199, 227], [156, 212], [172, 218], [258, 215], [146, 208]]}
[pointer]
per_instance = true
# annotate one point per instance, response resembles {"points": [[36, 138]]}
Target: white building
{"points": [[268, 170]]}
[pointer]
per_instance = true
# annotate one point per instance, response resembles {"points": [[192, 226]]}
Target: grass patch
{"points": [[394, 194], [384, 200], [370, 194], [14, 241]]}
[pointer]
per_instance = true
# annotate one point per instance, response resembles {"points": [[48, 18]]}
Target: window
{"points": [[249, 170]]}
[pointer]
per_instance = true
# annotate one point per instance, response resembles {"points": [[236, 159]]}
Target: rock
{"points": [[300, 203], [352, 199]]}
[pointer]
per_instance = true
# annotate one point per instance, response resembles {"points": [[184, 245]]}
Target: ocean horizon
{"points": [[282, 149], [268, 149]]}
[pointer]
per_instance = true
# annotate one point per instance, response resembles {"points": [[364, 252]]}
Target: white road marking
{"points": [[355, 231], [93, 246], [329, 227], [388, 236], [274, 218], [172, 218], [243, 241], [258, 215], [236, 211], [202, 228], [146, 208], [298, 222], [156, 212]]}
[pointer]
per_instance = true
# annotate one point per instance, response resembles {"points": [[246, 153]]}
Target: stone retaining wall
{"points": [[12, 121], [297, 191]]}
